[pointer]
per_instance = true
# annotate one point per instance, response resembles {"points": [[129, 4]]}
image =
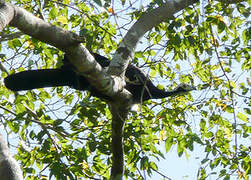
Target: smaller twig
{"points": [[8, 37]]}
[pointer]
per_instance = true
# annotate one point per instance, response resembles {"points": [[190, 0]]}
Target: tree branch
{"points": [[118, 67], [87, 66], [119, 115], [66, 41], [6, 14], [9, 168], [147, 21]]}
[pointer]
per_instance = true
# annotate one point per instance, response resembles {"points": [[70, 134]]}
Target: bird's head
{"points": [[185, 88]]}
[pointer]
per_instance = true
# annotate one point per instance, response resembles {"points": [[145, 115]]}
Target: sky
{"points": [[174, 167]]}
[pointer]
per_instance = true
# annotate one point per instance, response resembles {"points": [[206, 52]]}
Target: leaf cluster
{"points": [[66, 134]]}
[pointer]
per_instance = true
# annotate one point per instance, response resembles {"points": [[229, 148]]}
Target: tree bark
{"points": [[6, 15], [9, 168], [147, 21], [110, 83], [119, 116], [66, 41], [119, 64]]}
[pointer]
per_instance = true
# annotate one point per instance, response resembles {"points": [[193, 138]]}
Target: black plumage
{"points": [[137, 82]]}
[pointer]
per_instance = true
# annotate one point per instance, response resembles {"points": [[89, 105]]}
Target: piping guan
{"points": [[137, 83]]}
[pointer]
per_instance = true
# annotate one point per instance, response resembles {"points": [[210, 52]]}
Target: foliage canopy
{"points": [[66, 133]]}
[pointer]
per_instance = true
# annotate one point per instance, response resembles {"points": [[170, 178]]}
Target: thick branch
{"points": [[6, 14], [43, 31], [67, 42], [119, 115], [147, 21], [9, 168], [87, 66], [119, 64]]}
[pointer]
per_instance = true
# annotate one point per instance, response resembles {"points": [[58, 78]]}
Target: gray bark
{"points": [[9, 168], [111, 83]]}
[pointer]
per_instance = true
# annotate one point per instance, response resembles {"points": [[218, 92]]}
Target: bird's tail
{"points": [[33, 79]]}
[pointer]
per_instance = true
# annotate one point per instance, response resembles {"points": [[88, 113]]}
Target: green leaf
{"points": [[243, 117], [98, 2], [153, 72], [62, 19], [180, 150], [53, 13], [68, 133], [168, 144], [92, 146]]}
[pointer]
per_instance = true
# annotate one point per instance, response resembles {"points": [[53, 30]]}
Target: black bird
{"points": [[137, 82]]}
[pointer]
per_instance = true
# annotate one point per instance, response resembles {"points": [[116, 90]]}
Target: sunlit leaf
{"points": [[243, 117], [62, 19]]}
